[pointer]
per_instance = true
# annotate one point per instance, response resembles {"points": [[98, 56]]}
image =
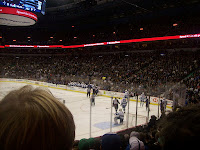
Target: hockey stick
{"points": [[108, 107]]}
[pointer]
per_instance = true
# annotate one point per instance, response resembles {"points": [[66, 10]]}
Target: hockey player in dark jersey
{"points": [[147, 103], [96, 90], [165, 104], [115, 103], [161, 106], [88, 92], [93, 90]]}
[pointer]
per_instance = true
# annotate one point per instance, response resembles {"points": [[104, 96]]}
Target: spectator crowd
{"points": [[150, 72]]}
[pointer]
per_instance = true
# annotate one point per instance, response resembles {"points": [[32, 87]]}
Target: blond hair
{"points": [[34, 119]]}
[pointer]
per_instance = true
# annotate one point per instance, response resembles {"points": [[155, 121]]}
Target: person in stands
{"points": [[134, 142], [33, 119], [111, 141], [181, 129]]}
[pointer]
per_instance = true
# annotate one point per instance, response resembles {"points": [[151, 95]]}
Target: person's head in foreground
{"points": [[111, 141], [33, 119], [181, 129], [134, 141]]}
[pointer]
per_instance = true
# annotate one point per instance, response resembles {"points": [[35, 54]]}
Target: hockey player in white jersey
{"points": [[123, 104], [126, 95], [116, 117], [142, 99], [92, 99], [119, 115]]}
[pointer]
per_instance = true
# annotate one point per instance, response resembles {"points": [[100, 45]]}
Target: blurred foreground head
{"points": [[33, 119], [181, 129]]}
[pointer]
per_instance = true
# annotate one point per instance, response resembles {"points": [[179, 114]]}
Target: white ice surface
{"points": [[78, 104]]}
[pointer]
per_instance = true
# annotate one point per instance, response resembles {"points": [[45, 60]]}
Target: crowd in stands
{"points": [[193, 88], [78, 84], [149, 71]]}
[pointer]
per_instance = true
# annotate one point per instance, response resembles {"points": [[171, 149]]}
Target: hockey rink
{"points": [[79, 105]]}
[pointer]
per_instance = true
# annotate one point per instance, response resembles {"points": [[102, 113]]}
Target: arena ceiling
{"points": [[97, 11], [61, 15], [65, 13], [59, 3]]}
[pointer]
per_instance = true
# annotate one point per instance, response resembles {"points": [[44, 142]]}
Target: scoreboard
{"points": [[28, 5]]}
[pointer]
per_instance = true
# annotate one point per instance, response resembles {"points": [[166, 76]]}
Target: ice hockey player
{"points": [[147, 103], [88, 91], [92, 99], [89, 86], [116, 118], [164, 104], [119, 115], [96, 90], [126, 95], [142, 99], [123, 104], [115, 104], [161, 106]]}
